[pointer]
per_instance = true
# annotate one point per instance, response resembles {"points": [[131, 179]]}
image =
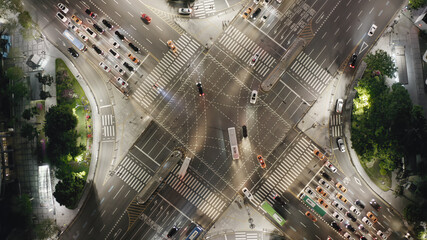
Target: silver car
{"points": [[185, 11], [340, 144]]}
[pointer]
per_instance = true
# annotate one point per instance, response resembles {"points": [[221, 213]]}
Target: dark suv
{"points": [[375, 205], [360, 204], [97, 50], [199, 87], [73, 52], [279, 200], [119, 35], [129, 67], [349, 215], [172, 232], [133, 47], [256, 13], [326, 176], [107, 24], [98, 28], [336, 226], [353, 60], [245, 131]]}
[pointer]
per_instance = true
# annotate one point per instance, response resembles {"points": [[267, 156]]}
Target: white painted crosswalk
{"points": [[248, 235], [202, 8], [290, 167], [336, 125], [196, 192], [133, 174], [108, 128], [166, 73], [244, 49], [311, 74]]}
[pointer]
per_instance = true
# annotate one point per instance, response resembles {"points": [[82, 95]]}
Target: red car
{"points": [[261, 161], [146, 18]]}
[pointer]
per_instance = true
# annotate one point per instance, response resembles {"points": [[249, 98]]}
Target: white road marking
{"points": [[132, 27], [130, 14], [159, 28], [146, 27], [148, 41], [117, 14], [303, 224], [104, 2], [115, 1]]}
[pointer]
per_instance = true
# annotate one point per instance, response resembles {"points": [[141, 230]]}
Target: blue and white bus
{"points": [[79, 45], [195, 233]]}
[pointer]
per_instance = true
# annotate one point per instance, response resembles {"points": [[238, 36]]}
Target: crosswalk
{"points": [[196, 192], [202, 8], [133, 174], [336, 125], [286, 172], [244, 48], [167, 71], [311, 74], [108, 128], [248, 235]]}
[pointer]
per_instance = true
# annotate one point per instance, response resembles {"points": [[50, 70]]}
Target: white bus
{"points": [[184, 168], [233, 142]]}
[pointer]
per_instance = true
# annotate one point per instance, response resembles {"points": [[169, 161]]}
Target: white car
{"points": [[263, 19], [122, 82], [105, 67], [337, 205], [331, 167], [185, 11], [115, 44], [118, 69], [114, 53], [61, 17], [254, 96], [90, 31], [338, 217], [84, 37], [73, 27], [381, 234], [247, 193], [309, 191], [340, 144], [279, 1], [62, 7], [366, 220], [254, 59], [256, 1], [354, 209], [372, 30], [323, 182], [339, 105], [347, 235]]}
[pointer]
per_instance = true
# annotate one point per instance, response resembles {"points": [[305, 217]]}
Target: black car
{"points": [[363, 229], [256, 13], [119, 35], [199, 87], [350, 228], [98, 28], [375, 205], [129, 67], [245, 131], [90, 13], [360, 204], [133, 47], [97, 50], [353, 60], [326, 176], [279, 200], [73, 52], [107, 24], [349, 215], [336, 226], [172, 232]]}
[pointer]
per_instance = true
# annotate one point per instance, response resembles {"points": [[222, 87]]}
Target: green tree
{"points": [[22, 208], [59, 119], [14, 73], [415, 4], [28, 131], [68, 191], [17, 91], [44, 95], [25, 20], [412, 213], [381, 61], [27, 114], [46, 229]]}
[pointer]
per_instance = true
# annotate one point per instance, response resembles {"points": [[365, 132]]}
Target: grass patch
{"points": [[373, 171]]}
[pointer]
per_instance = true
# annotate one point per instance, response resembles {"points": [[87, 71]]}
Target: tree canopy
{"points": [[68, 190], [382, 62], [385, 124], [415, 4]]}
